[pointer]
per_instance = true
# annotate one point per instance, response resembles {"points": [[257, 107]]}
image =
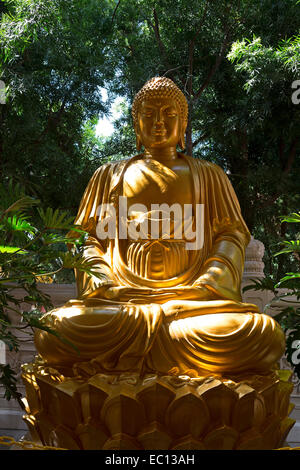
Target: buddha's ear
{"points": [[137, 138], [138, 143], [181, 142]]}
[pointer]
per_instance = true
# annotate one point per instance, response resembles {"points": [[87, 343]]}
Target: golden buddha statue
{"points": [[164, 303]]}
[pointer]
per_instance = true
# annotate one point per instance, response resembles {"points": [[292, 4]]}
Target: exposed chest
{"points": [[150, 182]]}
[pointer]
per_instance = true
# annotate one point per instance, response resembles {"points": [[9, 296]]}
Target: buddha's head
{"points": [[160, 113]]}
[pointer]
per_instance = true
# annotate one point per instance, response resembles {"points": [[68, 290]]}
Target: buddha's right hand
{"points": [[124, 293]]}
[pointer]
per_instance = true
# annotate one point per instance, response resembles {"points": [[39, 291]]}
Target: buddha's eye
{"points": [[171, 113], [147, 114]]}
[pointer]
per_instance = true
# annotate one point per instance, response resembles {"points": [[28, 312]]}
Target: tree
{"points": [[270, 123], [53, 61]]}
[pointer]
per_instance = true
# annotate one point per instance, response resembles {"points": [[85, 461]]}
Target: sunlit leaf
{"points": [[19, 224], [294, 217], [11, 249], [290, 247]]}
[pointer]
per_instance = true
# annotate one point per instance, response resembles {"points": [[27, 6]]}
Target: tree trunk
{"points": [[189, 133]]}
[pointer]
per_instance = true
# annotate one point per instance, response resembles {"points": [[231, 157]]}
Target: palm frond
{"points": [[56, 219], [17, 223], [291, 246]]}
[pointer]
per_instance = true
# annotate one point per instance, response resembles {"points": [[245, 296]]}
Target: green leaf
{"points": [[8, 380], [19, 224], [288, 277], [266, 283], [71, 261], [8, 338], [290, 247], [56, 219], [294, 217], [54, 238], [11, 249], [23, 203]]}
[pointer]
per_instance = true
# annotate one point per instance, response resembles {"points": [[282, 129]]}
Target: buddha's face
{"points": [[159, 123]]}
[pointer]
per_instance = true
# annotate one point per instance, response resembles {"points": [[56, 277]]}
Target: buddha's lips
{"points": [[159, 133]]}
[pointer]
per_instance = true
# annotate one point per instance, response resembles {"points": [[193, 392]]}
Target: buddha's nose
{"points": [[159, 121], [158, 125]]}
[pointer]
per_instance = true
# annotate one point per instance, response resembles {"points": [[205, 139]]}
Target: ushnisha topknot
{"points": [[160, 87]]}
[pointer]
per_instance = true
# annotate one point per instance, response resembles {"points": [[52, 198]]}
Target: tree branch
{"points": [[189, 82], [201, 23], [216, 65], [175, 68], [115, 11], [200, 139], [157, 33], [161, 46]]}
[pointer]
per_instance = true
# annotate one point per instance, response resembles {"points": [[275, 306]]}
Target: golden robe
{"points": [[218, 334]]}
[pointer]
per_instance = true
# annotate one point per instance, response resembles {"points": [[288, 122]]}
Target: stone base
{"points": [[129, 412]]}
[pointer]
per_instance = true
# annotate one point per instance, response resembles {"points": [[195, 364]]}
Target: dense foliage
{"points": [[53, 62], [32, 250]]}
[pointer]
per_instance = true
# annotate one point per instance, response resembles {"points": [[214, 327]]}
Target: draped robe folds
{"points": [[219, 334]]}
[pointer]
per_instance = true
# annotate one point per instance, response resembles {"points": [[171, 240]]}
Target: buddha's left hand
{"points": [[125, 293], [189, 293], [122, 293]]}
